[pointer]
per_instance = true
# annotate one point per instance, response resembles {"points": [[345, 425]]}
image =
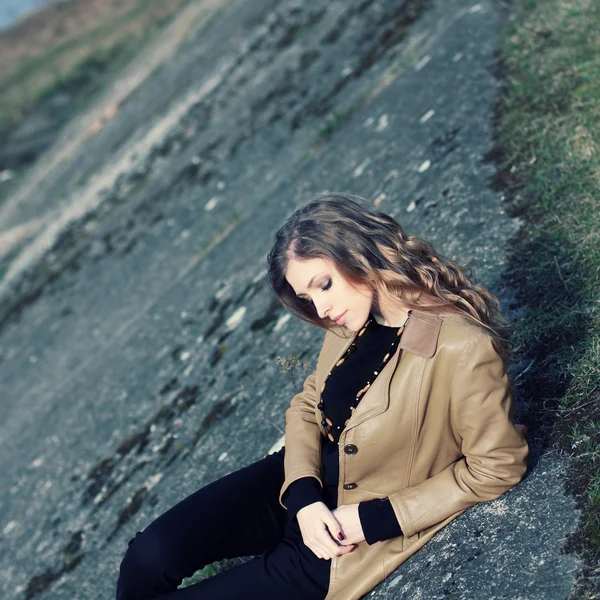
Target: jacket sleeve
{"points": [[494, 452], [302, 437]]}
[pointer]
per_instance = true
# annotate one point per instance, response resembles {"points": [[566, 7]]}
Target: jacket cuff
{"points": [[301, 493], [378, 520]]}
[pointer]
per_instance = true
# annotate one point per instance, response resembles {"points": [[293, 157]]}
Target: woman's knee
{"points": [[141, 567]]}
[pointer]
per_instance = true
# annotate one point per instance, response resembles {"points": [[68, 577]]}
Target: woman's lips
{"points": [[342, 318]]}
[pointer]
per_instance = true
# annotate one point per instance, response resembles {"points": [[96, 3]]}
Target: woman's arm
{"points": [[302, 459], [494, 450], [302, 437], [301, 493]]}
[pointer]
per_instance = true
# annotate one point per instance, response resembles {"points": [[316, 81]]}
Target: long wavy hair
{"points": [[371, 248]]}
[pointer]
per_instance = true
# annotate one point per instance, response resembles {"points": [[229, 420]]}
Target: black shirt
{"points": [[377, 517]]}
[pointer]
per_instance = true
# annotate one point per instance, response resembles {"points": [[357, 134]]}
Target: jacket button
{"points": [[350, 449], [350, 486]]}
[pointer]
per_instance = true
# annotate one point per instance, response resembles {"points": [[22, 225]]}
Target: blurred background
{"points": [[12, 10]]}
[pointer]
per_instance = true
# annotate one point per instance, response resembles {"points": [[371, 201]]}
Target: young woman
{"points": [[404, 424]]}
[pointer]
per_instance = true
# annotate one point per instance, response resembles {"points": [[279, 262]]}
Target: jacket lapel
{"points": [[419, 337]]}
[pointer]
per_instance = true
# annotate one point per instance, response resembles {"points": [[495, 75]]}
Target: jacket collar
{"points": [[420, 337], [421, 332]]}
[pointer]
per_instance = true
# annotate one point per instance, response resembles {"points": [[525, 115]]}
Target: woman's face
{"points": [[318, 280]]}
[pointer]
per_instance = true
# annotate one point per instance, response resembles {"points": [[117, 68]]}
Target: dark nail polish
{"points": [[340, 536]]}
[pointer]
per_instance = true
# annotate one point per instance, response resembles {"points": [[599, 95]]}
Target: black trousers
{"points": [[237, 515]]}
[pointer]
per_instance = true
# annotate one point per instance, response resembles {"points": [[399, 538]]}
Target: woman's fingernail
{"points": [[340, 536]]}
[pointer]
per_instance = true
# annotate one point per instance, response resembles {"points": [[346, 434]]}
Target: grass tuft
{"points": [[548, 136]]}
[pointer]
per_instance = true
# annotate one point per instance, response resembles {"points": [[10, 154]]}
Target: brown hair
{"points": [[370, 248]]}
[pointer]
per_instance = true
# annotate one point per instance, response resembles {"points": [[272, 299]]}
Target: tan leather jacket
{"points": [[434, 433]]}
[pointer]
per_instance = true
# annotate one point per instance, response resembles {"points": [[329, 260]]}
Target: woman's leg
{"points": [[237, 515], [289, 572]]}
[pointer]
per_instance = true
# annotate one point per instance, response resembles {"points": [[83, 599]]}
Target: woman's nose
{"points": [[322, 310]]}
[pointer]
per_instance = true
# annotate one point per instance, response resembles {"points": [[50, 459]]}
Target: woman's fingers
{"points": [[323, 545], [335, 529], [320, 542], [329, 546], [329, 543], [336, 535], [318, 525]]}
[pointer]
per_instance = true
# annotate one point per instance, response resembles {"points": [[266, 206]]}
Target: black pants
{"points": [[237, 515]]}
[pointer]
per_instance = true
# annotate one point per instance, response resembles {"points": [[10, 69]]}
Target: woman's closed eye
{"points": [[324, 288]]}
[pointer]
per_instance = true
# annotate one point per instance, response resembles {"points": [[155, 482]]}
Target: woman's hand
{"points": [[349, 519], [320, 530]]}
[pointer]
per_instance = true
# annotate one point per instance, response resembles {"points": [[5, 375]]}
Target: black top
{"points": [[377, 516]]}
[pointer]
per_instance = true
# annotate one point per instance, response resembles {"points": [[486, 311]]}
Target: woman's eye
{"points": [[323, 289]]}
